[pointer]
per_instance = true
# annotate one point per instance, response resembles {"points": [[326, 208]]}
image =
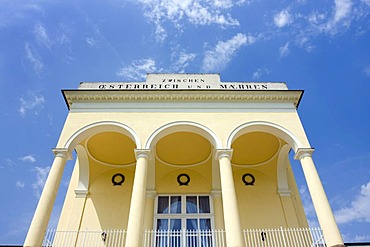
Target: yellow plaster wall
{"points": [[259, 205], [144, 124], [199, 183]]}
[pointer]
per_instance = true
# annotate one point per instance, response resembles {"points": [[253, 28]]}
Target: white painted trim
{"points": [[98, 127], [268, 127], [282, 176], [183, 126], [183, 107]]}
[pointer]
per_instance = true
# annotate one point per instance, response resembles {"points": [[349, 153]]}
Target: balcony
{"points": [[272, 237]]}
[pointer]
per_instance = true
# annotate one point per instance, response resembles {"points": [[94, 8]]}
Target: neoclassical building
{"points": [[183, 160]]}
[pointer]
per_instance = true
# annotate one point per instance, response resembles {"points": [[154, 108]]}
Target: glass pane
{"points": [[175, 224], [162, 205], [191, 224], [204, 205], [162, 224], [175, 207], [205, 224], [191, 204]]}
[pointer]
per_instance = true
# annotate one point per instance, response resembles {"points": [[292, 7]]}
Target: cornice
{"points": [[73, 96]]}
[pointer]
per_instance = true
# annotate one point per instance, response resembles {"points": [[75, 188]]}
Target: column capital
{"points": [[221, 153], [142, 153], [303, 152], [62, 152]]}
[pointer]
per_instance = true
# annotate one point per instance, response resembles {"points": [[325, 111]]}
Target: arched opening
{"points": [[105, 159], [184, 171], [260, 155]]}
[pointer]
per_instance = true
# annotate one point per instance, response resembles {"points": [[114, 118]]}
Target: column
{"points": [[137, 206], [320, 202], [42, 214], [233, 229]]}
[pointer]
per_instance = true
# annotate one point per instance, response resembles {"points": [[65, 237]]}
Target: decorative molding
{"points": [[216, 193], [73, 96], [303, 152], [81, 193], [120, 181], [151, 193], [284, 192], [182, 182], [249, 182]]}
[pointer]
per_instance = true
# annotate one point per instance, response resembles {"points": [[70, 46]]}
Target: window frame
{"points": [[183, 215]]}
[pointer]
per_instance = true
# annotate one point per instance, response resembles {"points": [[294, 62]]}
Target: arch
{"points": [[268, 127], [85, 132], [183, 126], [103, 126]]}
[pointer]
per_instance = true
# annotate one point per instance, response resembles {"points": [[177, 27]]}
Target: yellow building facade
{"points": [[182, 160]]}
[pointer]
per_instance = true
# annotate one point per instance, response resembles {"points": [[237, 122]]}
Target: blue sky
{"points": [[322, 47]]}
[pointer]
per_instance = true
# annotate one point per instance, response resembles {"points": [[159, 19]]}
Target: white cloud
{"points": [[316, 18], [196, 12], [41, 35], [35, 103], [33, 57], [20, 184], [342, 9], [284, 50], [217, 58], [28, 158], [358, 210], [181, 60], [41, 176], [282, 19], [259, 73], [90, 41], [342, 12], [138, 69]]}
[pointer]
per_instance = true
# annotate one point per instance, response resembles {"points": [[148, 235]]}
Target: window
{"points": [[183, 221]]}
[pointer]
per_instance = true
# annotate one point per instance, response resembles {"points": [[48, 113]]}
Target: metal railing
{"points": [[269, 237], [284, 237], [84, 238], [184, 238]]}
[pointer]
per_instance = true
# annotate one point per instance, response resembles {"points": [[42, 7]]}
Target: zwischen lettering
{"points": [[183, 80]]}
